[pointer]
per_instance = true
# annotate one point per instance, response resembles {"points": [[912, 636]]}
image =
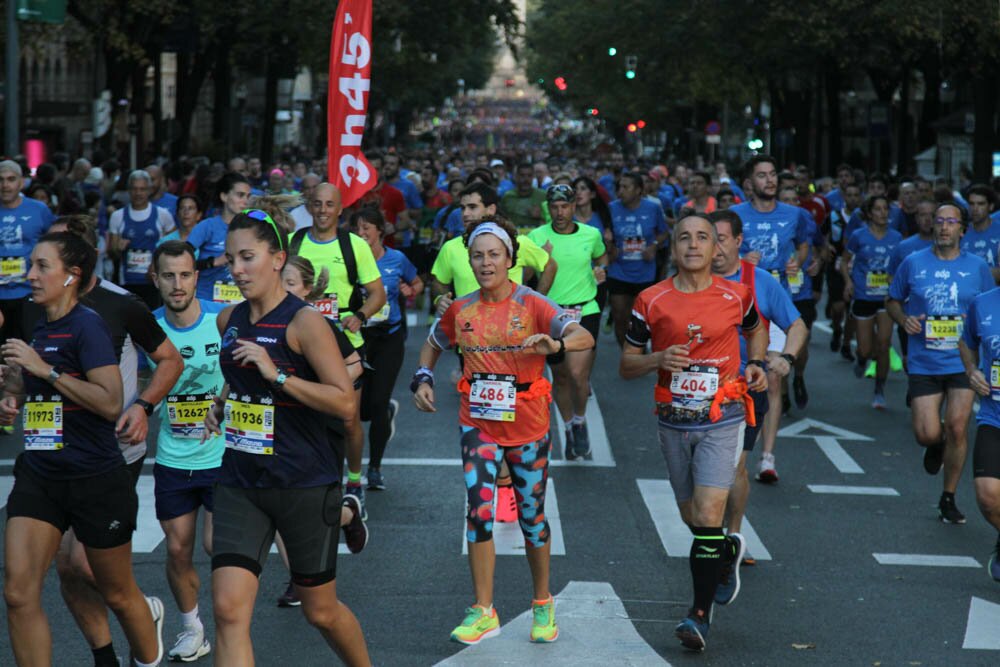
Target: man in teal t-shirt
{"points": [[187, 464]]}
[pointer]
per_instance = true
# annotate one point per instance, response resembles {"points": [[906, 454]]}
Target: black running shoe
{"points": [[845, 352], [801, 395], [835, 341], [949, 512], [934, 458], [355, 532]]}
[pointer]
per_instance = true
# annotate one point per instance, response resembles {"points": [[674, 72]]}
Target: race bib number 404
{"points": [[694, 388], [43, 425], [250, 426], [493, 397]]}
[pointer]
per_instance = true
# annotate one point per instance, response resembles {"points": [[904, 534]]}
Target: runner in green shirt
{"points": [[579, 250], [479, 202]]}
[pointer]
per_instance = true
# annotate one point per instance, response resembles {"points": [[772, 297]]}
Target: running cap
{"points": [[496, 162], [276, 172], [560, 192], [497, 231]]}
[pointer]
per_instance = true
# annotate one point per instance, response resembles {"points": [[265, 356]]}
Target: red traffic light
{"points": [[560, 83], [631, 127], [641, 124], [593, 111]]}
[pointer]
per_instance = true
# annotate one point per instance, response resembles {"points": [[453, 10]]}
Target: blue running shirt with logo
{"points": [[982, 333]]}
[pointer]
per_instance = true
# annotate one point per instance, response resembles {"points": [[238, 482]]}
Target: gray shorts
{"points": [[701, 458], [245, 520]]}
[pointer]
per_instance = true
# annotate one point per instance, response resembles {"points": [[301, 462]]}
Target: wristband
{"points": [[361, 316], [146, 406], [423, 375], [562, 346], [790, 358], [757, 362]]}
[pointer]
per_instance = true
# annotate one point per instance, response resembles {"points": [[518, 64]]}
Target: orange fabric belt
{"points": [[732, 390], [539, 388]]}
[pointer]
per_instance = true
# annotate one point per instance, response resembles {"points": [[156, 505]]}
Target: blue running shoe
{"points": [[693, 630], [581, 440], [729, 581], [358, 492]]}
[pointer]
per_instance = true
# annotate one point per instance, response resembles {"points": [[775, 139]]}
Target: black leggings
{"points": [[385, 356]]}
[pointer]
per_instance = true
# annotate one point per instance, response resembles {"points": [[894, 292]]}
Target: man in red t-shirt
{"points": [[691, 322], [389, 201]]}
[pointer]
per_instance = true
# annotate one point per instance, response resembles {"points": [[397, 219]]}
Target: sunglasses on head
{"points": [[258, 214]]}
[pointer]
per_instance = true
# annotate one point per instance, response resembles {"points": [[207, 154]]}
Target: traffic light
{"points": [[631, 62], [560, 83], [612, 51], [755, 144], [631, 127], [640, 124], [592, 111]]}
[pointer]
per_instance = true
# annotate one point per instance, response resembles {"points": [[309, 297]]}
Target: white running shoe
{"points": [[191, 645], [767, 474], [156, 608]]}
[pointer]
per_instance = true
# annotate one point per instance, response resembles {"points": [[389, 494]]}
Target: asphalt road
{"points": [[823, 598]]}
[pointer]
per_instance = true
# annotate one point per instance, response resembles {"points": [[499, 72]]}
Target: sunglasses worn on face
{"points": [[949, 221], [257, 214]]}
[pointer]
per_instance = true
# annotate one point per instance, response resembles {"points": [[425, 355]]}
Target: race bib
{"points": [[995, 380], [328, 307], [795, 281], [186, 415], [250, 425], [576, 312], [694, 388], [43, 424], [877, 283], [381, 316], [632, 249], [943, 332], [226, 293], [426, 235], [493, 397], [138, 261], [13, 269]]}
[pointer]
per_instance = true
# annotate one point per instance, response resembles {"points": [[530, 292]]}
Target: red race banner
{"points": [[347, 100]]}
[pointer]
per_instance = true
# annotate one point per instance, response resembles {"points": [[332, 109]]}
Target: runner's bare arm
{"points": [[970, 359]]}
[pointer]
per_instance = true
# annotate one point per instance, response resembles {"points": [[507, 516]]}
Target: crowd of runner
{"points": [[264, 323]]}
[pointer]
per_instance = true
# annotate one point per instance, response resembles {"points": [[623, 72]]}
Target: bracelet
{"points": [[562, 346], [790, 358], [423, 375], [757, 362], [361, 316]]}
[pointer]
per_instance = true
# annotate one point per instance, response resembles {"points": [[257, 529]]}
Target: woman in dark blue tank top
{"points": [[284, 375], [71, 474]]}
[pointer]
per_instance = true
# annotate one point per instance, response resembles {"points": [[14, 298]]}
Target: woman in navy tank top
{"points": [[284, 375]]}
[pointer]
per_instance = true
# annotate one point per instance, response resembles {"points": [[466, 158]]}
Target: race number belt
{"points": [[13, 269], [692, 390], [632, 249], [943, 332], [226, 292], [250, 424], [380, 317], [186, 415], [328, 307], [43, 423], [995, 380], [795, 281], [575, 310], [877, 283], [493, 397], [138, 261], [426, 235]]}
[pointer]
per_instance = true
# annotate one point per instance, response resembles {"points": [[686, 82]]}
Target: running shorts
{"points": [[930, 385], [986, 454], [865, 310], [701, 458], [179, 492], [624, 287]]}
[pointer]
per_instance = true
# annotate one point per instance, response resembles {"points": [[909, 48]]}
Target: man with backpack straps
{"points": [[355, 293]]}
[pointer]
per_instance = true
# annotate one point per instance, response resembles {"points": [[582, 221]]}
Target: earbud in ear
{"points": [[69, 281]]}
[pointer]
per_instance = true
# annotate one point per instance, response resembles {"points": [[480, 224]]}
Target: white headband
{"points": [[497, 231]]}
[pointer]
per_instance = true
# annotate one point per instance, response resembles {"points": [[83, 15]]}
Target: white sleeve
{"points": [[164, 221], [117, 222]]}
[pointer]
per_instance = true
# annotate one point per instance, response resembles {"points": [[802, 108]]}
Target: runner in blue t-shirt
{"points": [[775, 306], [982, 238], [929, 296], [209, 240], [866, 262], [639, 230], [922, 240], [22, 222], [775, 235], [187, 462], [980, 350]]}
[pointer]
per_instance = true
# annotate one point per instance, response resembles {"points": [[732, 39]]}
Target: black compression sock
{"points": [[105, 656], [879, 386], [707, 558]]}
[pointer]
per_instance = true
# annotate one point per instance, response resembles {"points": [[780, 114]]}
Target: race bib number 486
{"points": [[493, 397]]}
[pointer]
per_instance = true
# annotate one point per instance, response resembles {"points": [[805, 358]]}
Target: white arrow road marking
{"points": [[594, 629], [148, 533], [853, 490], [926, 560], [508, 539], [827, 442], [982, 631], [674, 533]]}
